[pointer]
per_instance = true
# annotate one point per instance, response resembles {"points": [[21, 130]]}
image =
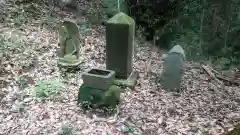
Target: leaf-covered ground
{"points": [[203, 107]]}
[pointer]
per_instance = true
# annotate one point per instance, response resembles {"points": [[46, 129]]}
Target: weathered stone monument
{"points": [[100, 87], [120, 32], [69, 55], [173, 69]]}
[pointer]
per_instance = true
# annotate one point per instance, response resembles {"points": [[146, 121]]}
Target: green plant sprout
{"points": [[46, 88]]}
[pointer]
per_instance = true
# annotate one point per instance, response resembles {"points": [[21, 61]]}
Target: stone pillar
{"points": [[120, 32]]}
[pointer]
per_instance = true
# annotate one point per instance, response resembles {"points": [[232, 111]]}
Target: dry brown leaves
{"points": [[203, 108]]}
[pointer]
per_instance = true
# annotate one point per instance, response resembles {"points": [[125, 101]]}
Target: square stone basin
{"points": [[98, 78]]}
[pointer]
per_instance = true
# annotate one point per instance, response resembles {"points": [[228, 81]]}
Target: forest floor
{"points": [[204, 107]]}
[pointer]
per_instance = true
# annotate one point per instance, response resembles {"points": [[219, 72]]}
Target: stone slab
{"points": [[173, 69]]}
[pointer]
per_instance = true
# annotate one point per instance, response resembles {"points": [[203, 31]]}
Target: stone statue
{"points": [[69, 45]]}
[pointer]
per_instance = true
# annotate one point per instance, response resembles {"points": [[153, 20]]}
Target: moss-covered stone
{"points": [[97, 98], [173, 69], [179, 50], [121, 18], [69, 54], [69, 61], [235, 131], [98, 78], [120, 32], [129, 82]]}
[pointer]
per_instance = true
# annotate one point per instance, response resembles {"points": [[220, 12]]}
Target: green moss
{"points": [[120, 36], [70, 57], [96, 98], [129, 82], [235, 131], [121, 18], [178, 49]]}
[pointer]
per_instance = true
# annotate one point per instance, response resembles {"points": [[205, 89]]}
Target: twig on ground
{"points": [[230, 80], [211, 74], [216, 75]]}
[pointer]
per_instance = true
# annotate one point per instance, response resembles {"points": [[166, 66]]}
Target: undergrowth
{"points": [[206, 29], [9, 43], [48, 88]]}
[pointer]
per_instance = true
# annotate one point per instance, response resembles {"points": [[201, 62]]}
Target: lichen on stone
{"points": [[121, 18], [178, 49]]}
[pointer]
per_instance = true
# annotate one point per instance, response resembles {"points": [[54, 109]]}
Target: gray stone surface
{"points": [[69, 54], [120, 32], [129, 82], [98, 78], [173, 69]]}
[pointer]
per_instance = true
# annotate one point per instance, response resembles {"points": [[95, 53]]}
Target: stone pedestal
{"points": [[98, 98], [98, 89]]}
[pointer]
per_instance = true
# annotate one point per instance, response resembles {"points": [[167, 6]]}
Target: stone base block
{"points": [[69, 63], [97, 98], [98, 78], [129, 82]]}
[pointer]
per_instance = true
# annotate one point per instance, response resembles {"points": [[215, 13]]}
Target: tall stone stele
{"points": [[69, 55], [173, 69], [120, 32]]}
